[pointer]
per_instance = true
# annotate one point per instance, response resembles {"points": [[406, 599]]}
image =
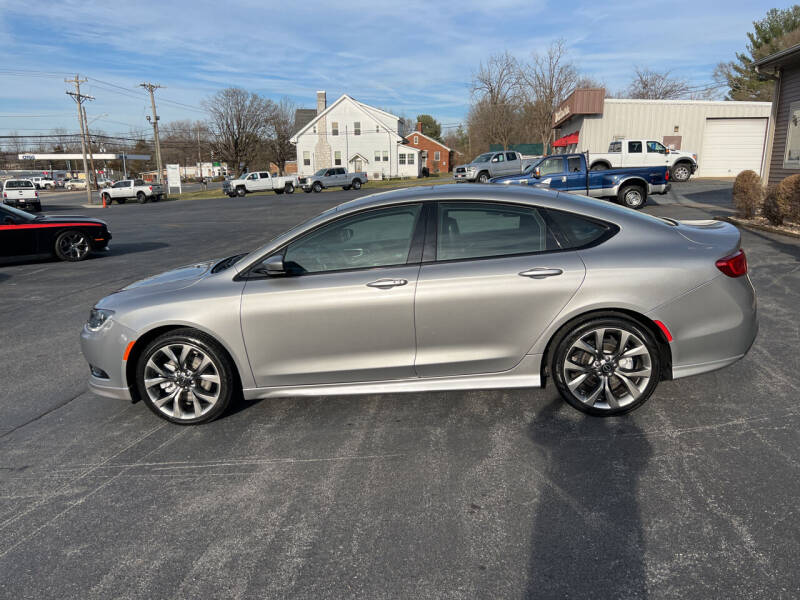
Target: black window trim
{"points": [[414, 251]]}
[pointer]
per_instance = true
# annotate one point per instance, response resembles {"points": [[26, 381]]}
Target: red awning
{"points": [[567, 140]]}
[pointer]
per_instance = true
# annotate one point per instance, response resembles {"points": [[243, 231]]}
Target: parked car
{"points": [[436, 288], [102, 182], [493, 164], [70, 238], [259, 181], [333, 177], [21, 193], [75, 184], [567, 173], [645, 153], [133, 189]]}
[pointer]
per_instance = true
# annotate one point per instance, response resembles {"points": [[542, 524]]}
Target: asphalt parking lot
{"points": [[484, 494]]}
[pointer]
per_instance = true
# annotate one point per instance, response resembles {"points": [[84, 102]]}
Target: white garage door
{"points": [[731, 146]]}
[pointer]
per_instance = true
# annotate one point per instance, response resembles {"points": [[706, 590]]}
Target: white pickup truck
{"points": [[645, 153], [259, 181], [21, 193], [130, 189]]}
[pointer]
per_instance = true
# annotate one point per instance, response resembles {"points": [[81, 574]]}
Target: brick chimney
{"points": [[419, 126], [322, 101]]}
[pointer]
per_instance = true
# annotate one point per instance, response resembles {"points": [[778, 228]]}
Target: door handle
{"points": [[541, 273], [386, 284]]}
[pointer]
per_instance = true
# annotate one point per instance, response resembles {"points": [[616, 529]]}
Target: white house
{"points": [[351, 134]]}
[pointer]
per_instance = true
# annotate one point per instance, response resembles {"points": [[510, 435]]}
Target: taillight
{"points": [[734, 265], [666, 175], [150, 188]]}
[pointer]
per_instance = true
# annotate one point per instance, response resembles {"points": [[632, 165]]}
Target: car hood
{"points": [[512, 179], [68, 219], [468, 165], [174, 279]]}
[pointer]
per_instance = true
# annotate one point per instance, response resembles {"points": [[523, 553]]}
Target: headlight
{"points": [[472, 168], [97, 318]]}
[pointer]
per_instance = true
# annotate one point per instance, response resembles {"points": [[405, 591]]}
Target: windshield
{"points": [[243, 175], [484, 157], [320, 173], [529, 169], [10, 210], [228, 262]]}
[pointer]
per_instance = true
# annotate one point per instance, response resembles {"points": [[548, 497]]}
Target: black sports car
{"points": [[69, 238]]}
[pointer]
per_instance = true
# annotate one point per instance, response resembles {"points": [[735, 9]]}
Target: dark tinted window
{"points": [[264, 175], [578, 230], [477, 230], [574, 164], [374, 239], [139, 182], [634, 147], [511, 156]]}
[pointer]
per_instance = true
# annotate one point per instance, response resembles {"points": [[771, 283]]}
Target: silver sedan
{"points": [[453, 287]]}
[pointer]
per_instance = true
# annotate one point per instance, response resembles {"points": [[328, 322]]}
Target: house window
{"points": [[416, 140], [306, 158], [385, 156], [357, 128], [411, 158], [337, 157], [377, 156], [791, 158], [335, 128], [437, 156], [401, 159]]}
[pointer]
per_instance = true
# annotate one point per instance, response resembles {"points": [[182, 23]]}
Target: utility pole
{"points": [[79, 98], [199, 162], [89, 148], [152, 87]]}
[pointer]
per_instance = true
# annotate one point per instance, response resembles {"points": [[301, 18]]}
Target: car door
{"points": [[264, 181], [656, 154], [513, 165], [344, 312], [498, 164], [552, 174], [118, 190], [575, 175], [634, 157], [496, 281], [17, 236]]}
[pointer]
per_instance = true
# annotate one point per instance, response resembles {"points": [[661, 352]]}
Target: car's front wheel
{"points": [[606, 366], [681, 172], [185, 377], [483, 177], [317, 187], [141, 198], [72, 245], [241, 191]]}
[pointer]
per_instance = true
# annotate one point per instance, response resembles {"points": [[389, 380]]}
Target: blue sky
{"points": [[409, 58]]}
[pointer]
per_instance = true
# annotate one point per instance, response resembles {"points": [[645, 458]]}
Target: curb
{"points": [[760, 227]]}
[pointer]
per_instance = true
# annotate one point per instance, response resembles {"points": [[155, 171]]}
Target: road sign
{"points": [[173, 177]]}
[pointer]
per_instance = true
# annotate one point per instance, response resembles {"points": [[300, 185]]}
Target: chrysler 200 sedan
{"points": [[453, 287]]}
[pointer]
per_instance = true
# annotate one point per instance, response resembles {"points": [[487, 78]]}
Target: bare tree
{"points": [[281, 128], [548, 78], [496, 100], [239, 124], [658, 85]]}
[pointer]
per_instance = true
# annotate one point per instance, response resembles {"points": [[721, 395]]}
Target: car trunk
{"points": [[718, 234]]}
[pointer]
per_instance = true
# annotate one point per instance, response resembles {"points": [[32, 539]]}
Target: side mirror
{"points": [[537, 172], [273, 265], [666, 151]]}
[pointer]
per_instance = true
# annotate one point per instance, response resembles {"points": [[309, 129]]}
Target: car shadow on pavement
{"points": [[721, 199], [116, 249], [587, 539]]}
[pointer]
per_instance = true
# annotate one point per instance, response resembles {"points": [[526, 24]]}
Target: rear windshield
{"points": [[10, 185]]}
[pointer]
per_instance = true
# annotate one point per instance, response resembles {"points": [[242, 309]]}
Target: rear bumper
{"points": [[660, 189]]}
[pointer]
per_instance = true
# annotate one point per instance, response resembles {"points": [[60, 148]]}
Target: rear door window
{"points": [[468, 230], [511, 156], [634, 147], [574, 164], [578, 231]]}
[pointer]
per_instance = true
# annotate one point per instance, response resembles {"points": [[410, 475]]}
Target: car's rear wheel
{"points": [[632, 196], [356, 184], [681, 172], [289, 189], [72, 245], [185, 377], [317, 187], [141, 198], [37, 207], [606, 366]]}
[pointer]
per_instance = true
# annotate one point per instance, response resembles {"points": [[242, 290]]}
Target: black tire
{"points": [[141, 198], [633, 196], [241, 191], [599, 370], [72, 245], [219, 360], [356, 184], [289, 189], [345, 187], [317, 187], [681, 172], [307, 190], [599, 167], [483, 177]]}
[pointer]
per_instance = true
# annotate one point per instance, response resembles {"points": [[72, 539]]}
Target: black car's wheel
{"points": [[356, 184], [681, 172], [317, 187], [606, 365], [185, 377], [241, 191], [141, 198], [72, 245], [483, 177], [632, 196], [289, 189]]}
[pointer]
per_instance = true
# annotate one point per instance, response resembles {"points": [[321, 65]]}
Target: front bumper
{"points": [[105, 350]]}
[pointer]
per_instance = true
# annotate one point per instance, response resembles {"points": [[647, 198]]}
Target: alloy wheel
{"points": [[182, 380], [73, 245], [607, 368]]}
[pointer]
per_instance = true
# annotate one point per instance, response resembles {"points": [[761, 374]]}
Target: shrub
{"points": [[747, 194], [771, 209], [788, 195], [217, 179]]}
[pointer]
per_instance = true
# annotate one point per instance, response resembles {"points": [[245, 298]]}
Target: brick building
{"points": [[434, 155]]}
